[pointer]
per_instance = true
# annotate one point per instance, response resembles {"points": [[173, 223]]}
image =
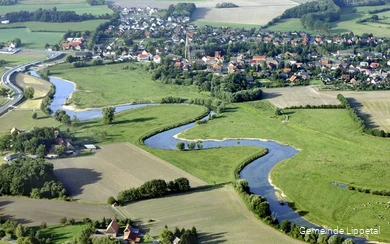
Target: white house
{"points": [[144, 56], [5, 21], [157, 59]]}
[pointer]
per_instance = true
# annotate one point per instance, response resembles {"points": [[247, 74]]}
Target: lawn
{"points": [[59, 27], [22, 119], [331, 150], [111, 84], [79, 8], [293, 24], [212, 165], [218, 214], [20, 58], [32, 40], [62, 233]]}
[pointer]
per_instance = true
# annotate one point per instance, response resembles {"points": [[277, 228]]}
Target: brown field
{"points": [[218, 214], [32, 212], [40, 86], [249, 12], [297, 96], [114, 168]]}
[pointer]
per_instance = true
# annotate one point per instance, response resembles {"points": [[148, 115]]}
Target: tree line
{"points": [[180, 9], [226, 5], [152, 189], [315, 15], [52, 15], [186, 236], [368, 191], [30, 177], [8, 2]]}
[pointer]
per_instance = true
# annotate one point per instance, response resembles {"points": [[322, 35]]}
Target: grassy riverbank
{"points": [[332, 150], [117, 84], [212, 165]]}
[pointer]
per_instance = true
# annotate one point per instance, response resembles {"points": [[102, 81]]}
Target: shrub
{"points": [[111, 200], [43, 225], [191, 145], [71, 221], [87, 220], [34, 115], [63, 220], [180, 146]]}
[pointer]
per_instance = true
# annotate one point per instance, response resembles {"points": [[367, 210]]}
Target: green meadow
{"points": [[35, 26], [112, 84], [32, 40], [331, 150]]}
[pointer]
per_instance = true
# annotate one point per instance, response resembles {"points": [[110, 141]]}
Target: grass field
{"points": [[62, 233], [214, 165], [298, 96], [32, 40], [331, 150], [32, 212], [79, 7], [110, 84], [20, 58], [59, 27], [218, 214], [41, 88], [22, 120], [95, 178]]}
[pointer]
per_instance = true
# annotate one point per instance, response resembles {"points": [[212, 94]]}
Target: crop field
{"points": [[32, 212], [218, 214], [248, 12], [41, 88], [114, 168], [111, 84], [201, 23], [332, 149], [22, 120], [297, 96], [80, 7], [32, 40]]}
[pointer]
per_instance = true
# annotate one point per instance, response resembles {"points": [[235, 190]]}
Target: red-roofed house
{"points": [[375, 65], [112, 229], [131, 235]]}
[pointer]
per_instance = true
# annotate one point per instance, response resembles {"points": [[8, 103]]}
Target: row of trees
{"points": [[30, 177], [96, 2], [172, 100], [366, 190], [46, 101], [226, 5], [190, 145], [52, 15], [23, 235], [152, 189], [186, 236], [8, 2]]}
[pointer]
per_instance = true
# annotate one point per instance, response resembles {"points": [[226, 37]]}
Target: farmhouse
{"points": [[5, 22], [144, 57], [112, 229]]}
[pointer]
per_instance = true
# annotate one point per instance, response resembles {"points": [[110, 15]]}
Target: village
{"points": [[287, 58]]}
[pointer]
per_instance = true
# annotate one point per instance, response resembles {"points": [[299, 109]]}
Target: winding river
{"points": [[256, 173]]}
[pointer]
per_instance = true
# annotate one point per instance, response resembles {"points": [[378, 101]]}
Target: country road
{"points": [[18, 93]]}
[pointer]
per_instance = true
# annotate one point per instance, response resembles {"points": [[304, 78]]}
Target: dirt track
{"points": [[114, 168], [32, 212]]}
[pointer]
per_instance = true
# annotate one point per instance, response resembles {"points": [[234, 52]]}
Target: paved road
{"points": [[18, 93]]}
